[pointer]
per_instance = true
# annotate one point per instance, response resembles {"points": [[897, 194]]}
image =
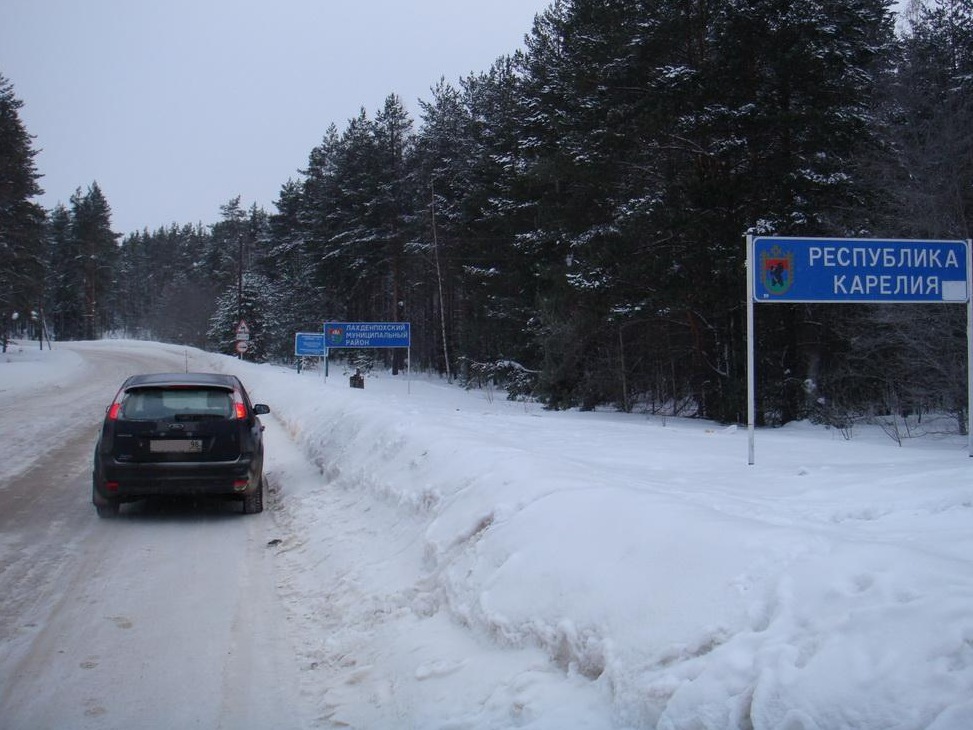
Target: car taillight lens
{"points": [[116, 406], [239, 407]]}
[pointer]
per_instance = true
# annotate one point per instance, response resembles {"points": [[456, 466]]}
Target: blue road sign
{"points": [[859, 270], [309, 344], [367, 334]]}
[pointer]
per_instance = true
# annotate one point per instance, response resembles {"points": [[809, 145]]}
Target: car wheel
{"points": [[107, 510], [254, 502], [105, 507]]}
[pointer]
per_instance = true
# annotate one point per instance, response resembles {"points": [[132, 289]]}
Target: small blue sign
{"points": [[309, 344], [859, 270], [367, 334]]}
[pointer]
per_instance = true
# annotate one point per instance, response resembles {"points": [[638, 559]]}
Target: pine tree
{"points": [[896, 359], [226, 255], [472, 159], [393, 142], [255, 305], [350, 262], [439, 162], [95, 245], [22, 247], [499, 275], [773, 143], [65, 291], [932, 177], [287, 263]]}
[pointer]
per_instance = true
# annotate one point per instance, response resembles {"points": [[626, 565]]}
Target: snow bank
{"points": [[828, 586]]}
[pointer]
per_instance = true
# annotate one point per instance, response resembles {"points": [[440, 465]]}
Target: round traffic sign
{"points": [[242, 346]]}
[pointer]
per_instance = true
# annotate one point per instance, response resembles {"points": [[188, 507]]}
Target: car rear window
{"points": [[156, 403]]}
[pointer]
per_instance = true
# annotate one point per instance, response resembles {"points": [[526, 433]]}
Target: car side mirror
{"points": [[259, 409]]}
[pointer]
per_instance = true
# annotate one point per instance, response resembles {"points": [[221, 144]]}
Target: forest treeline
{"points": [[569, 224]]}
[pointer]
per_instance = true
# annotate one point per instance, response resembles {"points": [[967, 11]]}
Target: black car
{"points": [[180, 434]]}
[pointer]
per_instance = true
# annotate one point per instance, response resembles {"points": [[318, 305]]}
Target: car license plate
{"points": [[177, 446]]}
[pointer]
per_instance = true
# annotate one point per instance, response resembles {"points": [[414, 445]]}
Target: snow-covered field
{"points": [[449, 559]]}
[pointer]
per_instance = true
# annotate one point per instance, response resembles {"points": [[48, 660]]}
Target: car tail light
{"points": [[115, 407], [240, 484], [111, 486], [239, 408]]}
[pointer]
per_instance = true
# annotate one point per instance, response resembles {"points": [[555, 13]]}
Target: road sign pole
{"points": [[751, 375], [969, 347]]}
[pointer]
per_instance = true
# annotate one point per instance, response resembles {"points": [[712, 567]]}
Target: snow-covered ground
{"points": [[450, 559]]}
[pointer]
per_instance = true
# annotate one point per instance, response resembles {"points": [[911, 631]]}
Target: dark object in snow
{"points": [[357, 380]]}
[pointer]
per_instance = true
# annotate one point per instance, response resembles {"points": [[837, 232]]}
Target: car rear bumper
{"points": [[120, 481]]}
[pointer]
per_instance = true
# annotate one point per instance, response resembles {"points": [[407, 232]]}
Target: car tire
{"points": [[105, 507], [253, 503], [107, 510]]}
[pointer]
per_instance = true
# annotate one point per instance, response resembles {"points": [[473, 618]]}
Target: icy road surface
{"points": [[165, 618]]}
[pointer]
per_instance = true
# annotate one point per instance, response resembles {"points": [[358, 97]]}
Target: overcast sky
{"points": [[176, 106]]}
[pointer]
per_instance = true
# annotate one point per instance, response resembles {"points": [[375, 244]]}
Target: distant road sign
{"points": [[243, 330], [242, 346], [309, 344], [859, 270], [367, 334]]}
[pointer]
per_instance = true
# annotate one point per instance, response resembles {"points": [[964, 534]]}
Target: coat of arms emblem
{"points": [[777, 270], [335, 336]]}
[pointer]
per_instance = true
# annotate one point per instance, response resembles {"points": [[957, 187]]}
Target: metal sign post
{"points": [[751, 372], [852, 270], [969, 350]]}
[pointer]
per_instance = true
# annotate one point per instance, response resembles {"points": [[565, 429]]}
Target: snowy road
{"points": [[168, 617]]}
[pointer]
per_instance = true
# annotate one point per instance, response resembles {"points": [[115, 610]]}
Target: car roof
{"points": [[166, 379]]}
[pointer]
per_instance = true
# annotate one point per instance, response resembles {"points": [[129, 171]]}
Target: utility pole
{"points": [[439, 278], [239, 279]]}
